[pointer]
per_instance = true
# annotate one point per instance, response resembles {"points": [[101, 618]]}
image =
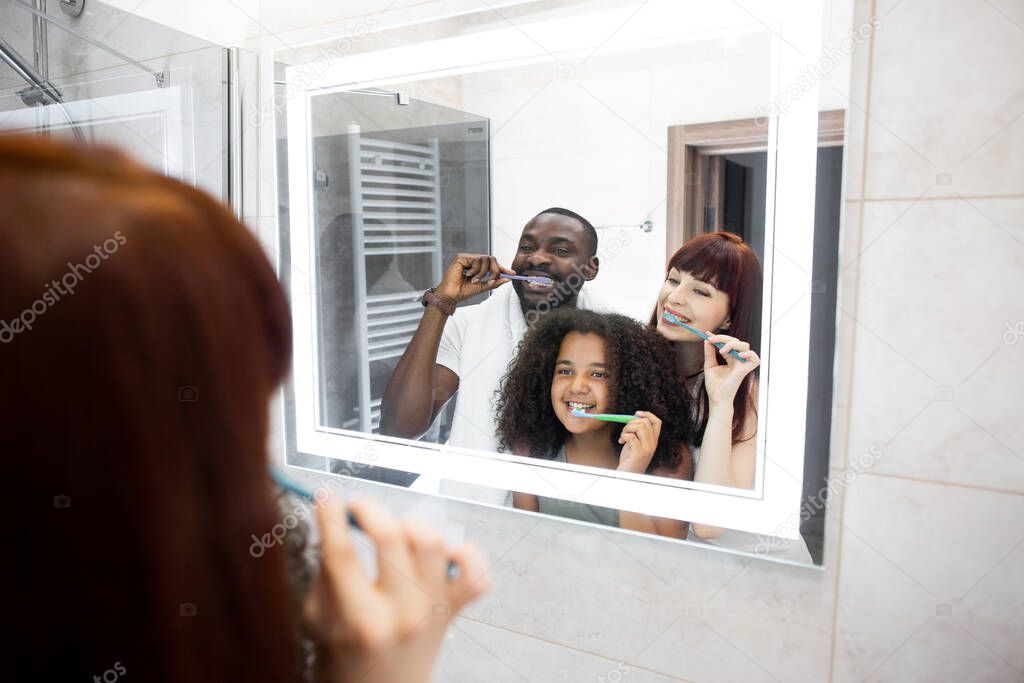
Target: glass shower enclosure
{"points": [[379, 191], [104, 76]]}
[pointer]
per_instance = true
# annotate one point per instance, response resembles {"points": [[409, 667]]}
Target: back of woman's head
{"points": [[142, 333], [642, 373]]}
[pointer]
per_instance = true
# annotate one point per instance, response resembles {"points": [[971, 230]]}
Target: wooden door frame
{"points": [[695, 150]]}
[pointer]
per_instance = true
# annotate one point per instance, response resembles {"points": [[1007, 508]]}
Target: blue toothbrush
{"points": [[539, 279], [669, 318], [301, 491]]}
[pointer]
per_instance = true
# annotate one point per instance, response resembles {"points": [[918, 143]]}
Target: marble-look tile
{"points": [[912, 523], [941, 651], [946, 112], [720, 645], [855, 95], [473, 651], [935, 328], [914, 552], [568, 584], [990, 612]]}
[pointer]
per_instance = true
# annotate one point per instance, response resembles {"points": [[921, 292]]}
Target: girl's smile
{"points": [[580, 382]]}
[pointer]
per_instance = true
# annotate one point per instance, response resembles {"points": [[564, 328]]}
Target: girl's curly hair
{"points": [[642, 376]]}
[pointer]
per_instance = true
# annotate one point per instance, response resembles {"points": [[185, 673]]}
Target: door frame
{"points": [[696, 150]]}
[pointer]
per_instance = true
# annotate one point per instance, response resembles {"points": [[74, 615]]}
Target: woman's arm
{"points": [[722, 461]]}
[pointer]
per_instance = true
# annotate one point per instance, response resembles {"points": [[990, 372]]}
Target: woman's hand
{"points": [[388, 628], [722, 381], [469, 274], [640, 440]]}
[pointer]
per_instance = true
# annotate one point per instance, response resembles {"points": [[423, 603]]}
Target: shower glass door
{"points": [[155, 93], [395, 187]]}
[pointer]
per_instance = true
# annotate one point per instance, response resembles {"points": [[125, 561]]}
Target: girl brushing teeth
{"points": [[577, 360]]}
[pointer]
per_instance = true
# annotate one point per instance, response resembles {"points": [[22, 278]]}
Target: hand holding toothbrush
{"points": [[639, 440], [388, 627], [723, 381], [470, 274]]}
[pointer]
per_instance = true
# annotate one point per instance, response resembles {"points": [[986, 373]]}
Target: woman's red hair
{"points": [[136, 420], [729, 265]]}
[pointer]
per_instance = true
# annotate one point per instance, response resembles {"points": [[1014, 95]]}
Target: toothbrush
{"points": [[669, 318], [301, 491], [539, 279], [606, 417]]}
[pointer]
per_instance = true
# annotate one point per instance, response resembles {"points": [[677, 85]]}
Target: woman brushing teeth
{"points": [[709, 299]]}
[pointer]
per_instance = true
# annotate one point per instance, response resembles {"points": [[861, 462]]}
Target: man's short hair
{"points": [[587, 227]]}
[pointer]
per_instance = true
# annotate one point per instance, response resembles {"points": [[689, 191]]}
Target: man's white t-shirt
{"points": [[478, 344]]}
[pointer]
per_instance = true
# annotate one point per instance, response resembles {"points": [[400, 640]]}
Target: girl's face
{"points": [[695, 302], [580, 381]]}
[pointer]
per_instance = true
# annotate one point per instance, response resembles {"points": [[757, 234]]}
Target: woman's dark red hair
{"points": [[136, 424], [728, 264]]}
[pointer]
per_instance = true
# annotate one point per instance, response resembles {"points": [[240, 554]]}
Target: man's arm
{"points": [[419, 387]]}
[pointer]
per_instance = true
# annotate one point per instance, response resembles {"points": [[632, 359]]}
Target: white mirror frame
{"points": [[772, 507]]}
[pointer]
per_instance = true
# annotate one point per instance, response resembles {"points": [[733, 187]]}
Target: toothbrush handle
{"points": [[608, 417], [731, 353]]}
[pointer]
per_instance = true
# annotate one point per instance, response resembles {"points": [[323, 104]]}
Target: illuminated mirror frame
{"points": [[774, 503]]}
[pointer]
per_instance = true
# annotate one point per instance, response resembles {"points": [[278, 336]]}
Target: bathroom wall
{"points": [[925, 549]]}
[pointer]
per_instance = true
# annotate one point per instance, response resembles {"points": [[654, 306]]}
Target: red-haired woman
{"points": [[713, 284], [142, 334]]}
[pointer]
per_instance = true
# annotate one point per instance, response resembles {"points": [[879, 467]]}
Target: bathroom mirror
{"points": [[400, 146]]}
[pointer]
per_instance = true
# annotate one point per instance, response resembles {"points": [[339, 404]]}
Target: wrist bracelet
{"points": [[442, 303]]}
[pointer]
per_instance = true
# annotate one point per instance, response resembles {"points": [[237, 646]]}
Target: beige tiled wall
{"points": [[925, 549]]}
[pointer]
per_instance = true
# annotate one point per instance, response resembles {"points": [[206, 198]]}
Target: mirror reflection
{"points": [[559, 257]]}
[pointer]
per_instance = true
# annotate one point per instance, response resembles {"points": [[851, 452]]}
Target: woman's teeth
{"points": [[574, 405], [673, 318]]}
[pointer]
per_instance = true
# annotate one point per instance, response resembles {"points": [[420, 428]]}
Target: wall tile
{"points": [[938, 108], [915, 552], [477, 652], [943, 331]]}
